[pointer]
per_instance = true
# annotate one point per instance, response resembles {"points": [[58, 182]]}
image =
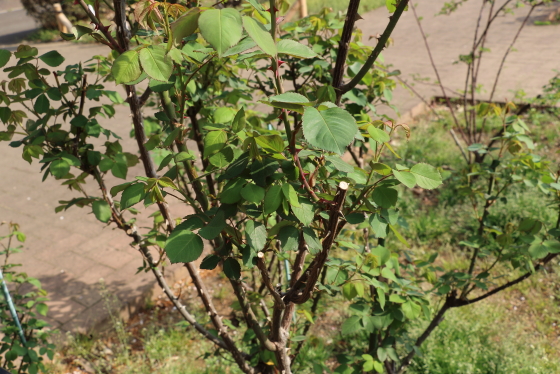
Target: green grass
{"points": [[43, 36], [315, 6], [479, 340]]}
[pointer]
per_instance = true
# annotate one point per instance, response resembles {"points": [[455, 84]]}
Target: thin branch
{"points": [[133, 233], [544, 262], [250, 316], [104, 29], [377, 50], [278, 302], [508, 51], [436, 71], [342, 53]]}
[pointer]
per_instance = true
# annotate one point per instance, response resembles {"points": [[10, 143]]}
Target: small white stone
{"points": [[61, 218]]}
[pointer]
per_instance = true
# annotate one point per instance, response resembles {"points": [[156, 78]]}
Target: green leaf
{"points": [[214, 227], [4, 57], [378, 135], [427, 176], [340, 164], [411, 310], [349, 291], [290, 97], [380, 168], [42, 104], [289, 238], [273, 199], [260, 35], [25, 51], [399, 236], [156, 63], [231, 193], [224, 115], [159, 86], [210, 262], [126, 67], [42, 309], [221, 28], [238, 123], [120, 167], [379, 227], [102, 210], [52, 58], [183, 156], [118, 188], [271, 143], [311, 240], [59, 168], [222, 158], [387, 273], [114, 96], [538, 250], [390, 4], [289, 100], [332, 129], [185, 25], [552, 245], [106, 164], [396, 298], [132, 195], [253, 193], [255, 234], [351, 325], [405, 177], [382, 253], [290, 194], [305, 211], [80, 31], [244, 45], [232, 269], [385, 197], [5, 114], [381, 297], [295, 49], [214, 141], [183, 246]]}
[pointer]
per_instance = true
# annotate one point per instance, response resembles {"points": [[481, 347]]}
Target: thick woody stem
{"points": [[278, 302], [140, 136], [303, 288], [343, 44]]}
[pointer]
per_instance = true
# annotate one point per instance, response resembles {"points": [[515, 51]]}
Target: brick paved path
{"points": [[71, 251]]}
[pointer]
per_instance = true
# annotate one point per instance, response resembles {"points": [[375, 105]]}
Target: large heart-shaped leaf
{"points": [[331, 129], [156, 63], [260, 35], [221, 28]]}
